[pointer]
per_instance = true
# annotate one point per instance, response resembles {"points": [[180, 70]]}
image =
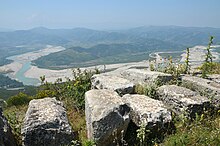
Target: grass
{"points": [[78, 123], [15, 116], [71, 93], [148, 90], [201, 132], [211, 68]]}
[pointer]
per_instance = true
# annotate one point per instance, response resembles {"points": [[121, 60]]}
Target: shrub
{"points": [[209, 56], [187, 65], [72, 91], [45, 93], [210, 68], [204, 131], [149, 89], [15, 116], [19, 99], [171, 68]]}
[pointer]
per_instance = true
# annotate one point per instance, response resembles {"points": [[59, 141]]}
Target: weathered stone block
{"points": [[215, 78], [141, 76], [181, 100], [46, 124], [120, 85], [205, 87], [107, 116], [148, 111]]}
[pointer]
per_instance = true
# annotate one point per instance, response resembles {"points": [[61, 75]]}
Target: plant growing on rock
{"points": [[149, 89], [187, 70], [171, 68], [209, 56], [15, 116], [71, 91], [209, 67], [142, 134]]}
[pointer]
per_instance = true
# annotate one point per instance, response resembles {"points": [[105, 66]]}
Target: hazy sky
{"points": [[108, 14]]}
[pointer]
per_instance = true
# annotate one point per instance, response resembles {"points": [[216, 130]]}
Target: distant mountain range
{"points": [[84, 36], [98, 45]]}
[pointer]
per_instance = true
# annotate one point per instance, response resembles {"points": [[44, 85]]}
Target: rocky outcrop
{"points": [[46, 124], [215, 78], [6, 136], [181, 100], [141, 76], [107, 116], [3, 103], [147, 111], [205, 87], [120, 85]]}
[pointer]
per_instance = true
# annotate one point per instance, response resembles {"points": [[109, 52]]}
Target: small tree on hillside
{"points": [[187, 71], [209, 54]]}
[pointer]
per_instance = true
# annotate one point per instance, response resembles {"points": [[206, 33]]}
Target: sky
{"points": [[108, 14]]}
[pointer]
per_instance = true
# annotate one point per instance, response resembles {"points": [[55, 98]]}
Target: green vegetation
{"points": [[209, 67], [103, 54], [6, 93], [4, 61], [19, 99], [142, 134], [9, 49], [204, 131], [15, 116], [157, 38], [149, 89], [171, 68], [6, 82], [70, 92], [209, 56], [187, 70]]}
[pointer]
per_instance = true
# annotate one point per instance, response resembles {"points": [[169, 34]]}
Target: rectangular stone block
{"points": [[107, 116], [120, 85], [147, 111], [182, 100], [141, 76]]}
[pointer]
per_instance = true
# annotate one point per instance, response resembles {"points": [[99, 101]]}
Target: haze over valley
{"points": [[109, 73], [81, 47]]}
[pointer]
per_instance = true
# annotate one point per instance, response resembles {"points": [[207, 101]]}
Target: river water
{"points": [[26, 65], [25, 61]]}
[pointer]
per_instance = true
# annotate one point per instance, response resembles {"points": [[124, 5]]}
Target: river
{"points": [[24, 60]]}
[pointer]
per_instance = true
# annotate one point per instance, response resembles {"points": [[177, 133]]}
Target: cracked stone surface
{"points": [[180, 99], [46, 124], [120, 85], [107, 116], [205, 87], [148, 111], [141, 76]]}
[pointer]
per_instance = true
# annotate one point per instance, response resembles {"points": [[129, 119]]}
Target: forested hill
{"points": [[83, 36], [188, 36], [105, 54], [123, 44], [6, 82]]}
